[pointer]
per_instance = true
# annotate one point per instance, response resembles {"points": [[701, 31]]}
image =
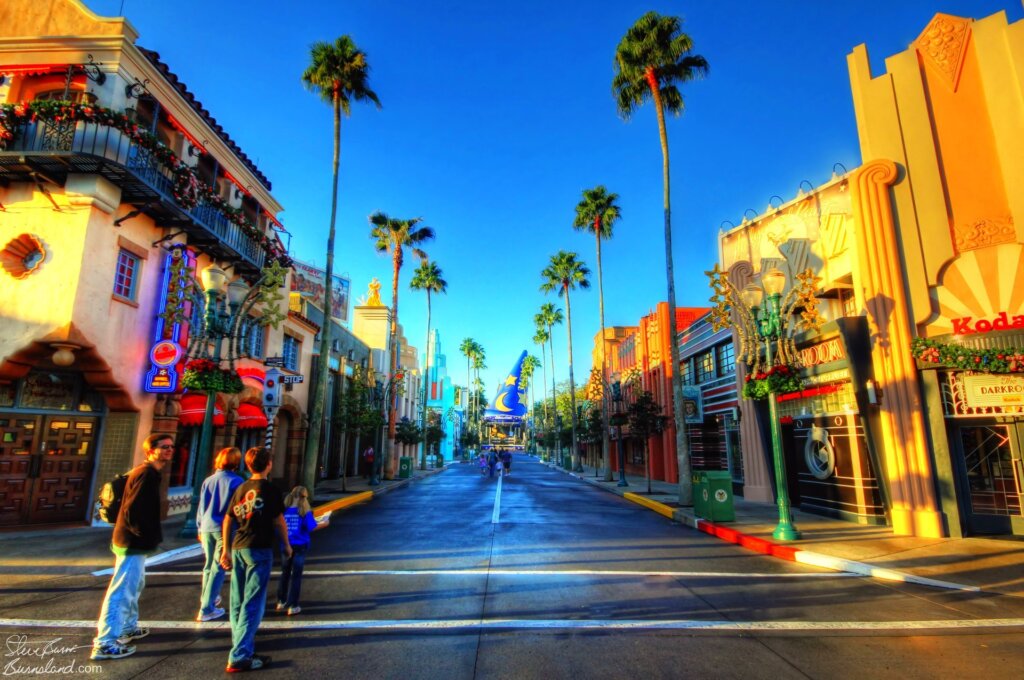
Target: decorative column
{"points": [[904, 448]]}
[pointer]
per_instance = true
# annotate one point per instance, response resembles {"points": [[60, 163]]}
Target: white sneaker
{"points": [[215, 614], [292, 611]]}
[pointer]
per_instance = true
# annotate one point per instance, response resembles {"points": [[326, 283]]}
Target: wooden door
{"points": [[18, 437], [62, 470]]}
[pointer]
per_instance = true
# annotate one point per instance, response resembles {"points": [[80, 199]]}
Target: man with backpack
{"points": [[137, 533]]}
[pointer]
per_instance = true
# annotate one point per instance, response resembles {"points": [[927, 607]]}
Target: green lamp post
{"points": [[764, 318]]}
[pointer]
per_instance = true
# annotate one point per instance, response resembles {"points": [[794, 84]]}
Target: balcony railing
{"points": [[84, 147]]}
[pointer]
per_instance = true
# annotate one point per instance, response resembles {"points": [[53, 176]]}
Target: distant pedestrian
{"points": [[256, 509], [482, 462], [137, 533], [214, 497], [298, 516], [506, 461], [368, 460], [492, 462]]}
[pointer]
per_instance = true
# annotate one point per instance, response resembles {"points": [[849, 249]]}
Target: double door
{"points": [[992, 475], [46, 468]]}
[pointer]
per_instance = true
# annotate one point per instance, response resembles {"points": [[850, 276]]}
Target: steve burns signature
{"points": [[22, 646]]}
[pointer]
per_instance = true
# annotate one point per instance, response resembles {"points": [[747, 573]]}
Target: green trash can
{"points": [[404, 467], [714, 496], [567, 461]]}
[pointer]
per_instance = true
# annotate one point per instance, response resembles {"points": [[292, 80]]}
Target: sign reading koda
{"points": [[967, 325]]}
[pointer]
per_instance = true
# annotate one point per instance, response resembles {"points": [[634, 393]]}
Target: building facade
{"points": [[441, 396]]}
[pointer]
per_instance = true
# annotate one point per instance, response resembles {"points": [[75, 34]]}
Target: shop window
{"points": [[74, 96], [290, 351], [254, 339], [726, 359], [127, 275], [705, 367]]}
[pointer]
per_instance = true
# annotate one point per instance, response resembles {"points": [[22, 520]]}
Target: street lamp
{"points": [[225, 308], [769, 324]]}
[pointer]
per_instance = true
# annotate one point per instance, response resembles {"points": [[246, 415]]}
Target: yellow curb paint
{"points": [[659, 508], [340, 503]]}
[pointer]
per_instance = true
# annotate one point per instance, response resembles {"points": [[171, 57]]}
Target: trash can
{"points": [[567, 461], [712, 496], [404, 467]]}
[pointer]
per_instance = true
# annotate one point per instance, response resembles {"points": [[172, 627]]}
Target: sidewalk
{"points": [[991, 564], [84, 549]]}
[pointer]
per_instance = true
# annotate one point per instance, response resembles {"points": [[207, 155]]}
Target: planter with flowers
{"points": [[780, 379], [203, 375]]}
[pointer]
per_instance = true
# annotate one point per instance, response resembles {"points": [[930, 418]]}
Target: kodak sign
{"points": [[968, 326]]}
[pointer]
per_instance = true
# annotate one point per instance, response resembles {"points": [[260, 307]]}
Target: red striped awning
{"points": [[193, 409], [250, 417]]}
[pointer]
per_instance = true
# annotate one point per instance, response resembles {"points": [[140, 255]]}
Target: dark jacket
{"points": [[138, 523]]}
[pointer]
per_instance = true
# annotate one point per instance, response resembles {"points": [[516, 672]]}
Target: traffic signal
{"points": [[272, 389], [616, 391]]}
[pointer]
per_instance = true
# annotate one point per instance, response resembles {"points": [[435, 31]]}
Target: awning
{"points": [[193, 409], [250, 417]]}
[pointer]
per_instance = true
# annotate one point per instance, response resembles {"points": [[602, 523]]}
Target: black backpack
{"points": [[111, 496]]}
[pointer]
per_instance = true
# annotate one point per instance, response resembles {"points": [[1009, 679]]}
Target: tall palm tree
{"points": [[530, 364], [652, 59], [427, 277], [546, 319], [539, 338], [479, 364], [565, 273], [339, 73], [394, 236], [468, 348], [597, 213]]}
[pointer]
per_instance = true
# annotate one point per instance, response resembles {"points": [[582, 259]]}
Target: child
{"points": [[256, 509], [483, 464], [298, 516]]}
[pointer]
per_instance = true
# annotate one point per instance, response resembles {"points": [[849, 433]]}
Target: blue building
{"points": [[443, 397]]}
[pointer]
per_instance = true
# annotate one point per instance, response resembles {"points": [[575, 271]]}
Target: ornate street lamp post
{"points": [[769, 324]]}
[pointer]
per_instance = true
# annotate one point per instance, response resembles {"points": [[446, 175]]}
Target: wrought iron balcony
{"points": [[52, 151]]}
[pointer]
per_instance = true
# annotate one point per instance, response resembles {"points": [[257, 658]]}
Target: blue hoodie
{"points": [[214, 497]]}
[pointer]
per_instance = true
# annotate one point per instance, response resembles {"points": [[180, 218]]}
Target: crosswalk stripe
{"points": [[469, 625], [534, 572]]}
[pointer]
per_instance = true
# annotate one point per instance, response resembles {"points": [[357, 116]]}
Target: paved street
{"points": [[537, 575]]}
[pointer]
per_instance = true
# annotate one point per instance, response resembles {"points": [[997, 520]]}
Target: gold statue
{"points": [[374, 299]]}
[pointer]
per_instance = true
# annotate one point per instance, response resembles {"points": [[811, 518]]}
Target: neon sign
{"points": [[166, 352]]}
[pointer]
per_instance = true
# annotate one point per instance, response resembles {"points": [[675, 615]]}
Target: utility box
{"points": [[712, 496], [404, 467]]}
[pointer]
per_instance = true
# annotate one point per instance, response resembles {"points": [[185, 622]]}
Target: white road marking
{"points": [[534, 573], [495, 516], [162, 558], [469, 625]]}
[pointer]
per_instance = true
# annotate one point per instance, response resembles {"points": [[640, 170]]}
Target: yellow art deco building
{"points": [[103, 204], [914, 387]]}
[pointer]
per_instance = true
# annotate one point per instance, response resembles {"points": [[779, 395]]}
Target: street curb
{"points": [[783, 552], [340, 503]]}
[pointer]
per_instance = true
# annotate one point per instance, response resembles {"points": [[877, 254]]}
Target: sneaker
{"points": [[281, 606], [215, 614], [292, 611], [136, 634], [112, 651], [253, 664]]}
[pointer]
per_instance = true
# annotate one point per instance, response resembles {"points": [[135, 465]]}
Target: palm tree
{"points": [[548, 316], [427, 277], [530, 364], [565, 273], [652, 58], [468, 348], [479, 364], [339, 73], [394, 236], [539, 338], [597, 213]]}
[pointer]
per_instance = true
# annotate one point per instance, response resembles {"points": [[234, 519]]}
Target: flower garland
{"points": [[203, 375], [780, 379], [1001, 360], [188, 188]]}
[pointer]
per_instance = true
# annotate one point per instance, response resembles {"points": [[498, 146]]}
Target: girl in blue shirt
{"points": [[214, 497], [298, 516]]}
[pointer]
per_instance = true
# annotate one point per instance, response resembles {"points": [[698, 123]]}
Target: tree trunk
{"points": [[682, 446], [426, 382], [554, 393], [575, 453], [316, 414], [605, 445], [544, 367], [389, 446]]}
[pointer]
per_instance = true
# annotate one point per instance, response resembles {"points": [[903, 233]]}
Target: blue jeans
{"points": [[213, 574], [250, 573], [120, 611], [291, 576]]}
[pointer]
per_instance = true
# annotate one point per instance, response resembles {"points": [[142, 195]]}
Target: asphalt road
{"points": [[547, 578]]}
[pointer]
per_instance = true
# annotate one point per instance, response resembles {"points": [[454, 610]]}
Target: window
{"points": [[726, 359], [74, 96], [705, 367], [290, 351], [687, 372], [127, 275], [254, 338]]}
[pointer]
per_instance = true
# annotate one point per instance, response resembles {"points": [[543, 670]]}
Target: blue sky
{"points": [[497, 115]]}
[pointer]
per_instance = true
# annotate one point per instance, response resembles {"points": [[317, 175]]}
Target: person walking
{"points": [[256, 509], [214, 497], [506, 462], [368, 460], [492, 462], [298, 517], [137, 533]]}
